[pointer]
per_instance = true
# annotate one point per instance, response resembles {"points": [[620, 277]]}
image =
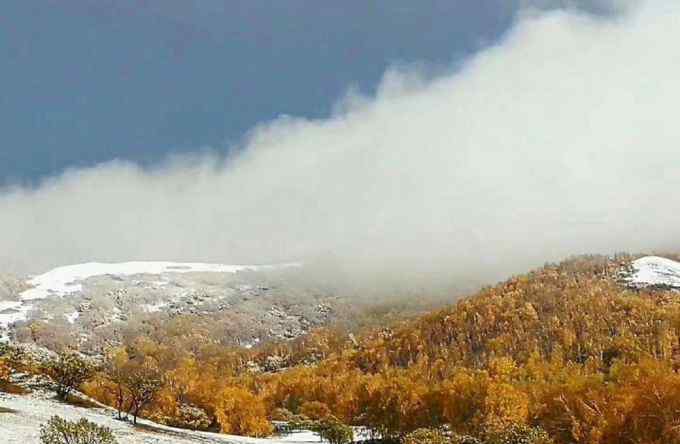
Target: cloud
{"points": [[561, 139], [594, 6]]}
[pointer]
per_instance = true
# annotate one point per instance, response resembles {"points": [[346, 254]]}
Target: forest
{"points": [[564, 354]]}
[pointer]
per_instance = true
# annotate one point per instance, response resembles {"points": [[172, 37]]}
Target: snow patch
{"points": [[72, 317], [155, 308], [64, 280], [653, 271]]}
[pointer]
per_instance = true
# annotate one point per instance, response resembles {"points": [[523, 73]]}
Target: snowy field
{"points": [[28, 412], [654, 271]]}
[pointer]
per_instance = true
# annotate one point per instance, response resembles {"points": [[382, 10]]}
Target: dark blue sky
{"points": [[87, 81]]}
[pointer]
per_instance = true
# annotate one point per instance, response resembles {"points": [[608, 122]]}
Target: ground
{"points": [[22, 415]]}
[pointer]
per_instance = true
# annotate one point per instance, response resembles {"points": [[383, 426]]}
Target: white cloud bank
{"points": [[562, 139]]}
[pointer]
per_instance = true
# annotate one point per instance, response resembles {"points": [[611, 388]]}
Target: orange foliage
{"points": [[239, 412], [565, 348], [315, 410], [5, 370]]}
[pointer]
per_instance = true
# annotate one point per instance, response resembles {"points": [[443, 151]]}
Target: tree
{"points": [[108, 386], [142, 381], [239, 412], [68, 371], [394, 403], [130, 385], [60, 431]]}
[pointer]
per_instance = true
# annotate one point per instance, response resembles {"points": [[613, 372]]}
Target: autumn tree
{"points": [[142, 381], [393, 403], [68, 371], [109, 384], [240, 412], [130, 385]]}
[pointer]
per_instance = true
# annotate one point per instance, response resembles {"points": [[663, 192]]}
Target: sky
{"points": [[437, 139], [87, 81]]}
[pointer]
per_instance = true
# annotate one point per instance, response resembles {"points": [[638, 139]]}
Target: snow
{"points": [[155, 308], [655, 271], [9, 305], [23, 426], [72, 317], [62, 281]]}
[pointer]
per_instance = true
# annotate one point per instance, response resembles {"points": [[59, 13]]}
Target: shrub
{"points": [[13, 358], [425, 436], [186, 417], [520, 434], [465, 439], [315, 410], [68, 371], [281, 414], [333, 431], [60, 431]]}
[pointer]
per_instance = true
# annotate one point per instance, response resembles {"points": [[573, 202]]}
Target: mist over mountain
{"points": [[561, 139]]}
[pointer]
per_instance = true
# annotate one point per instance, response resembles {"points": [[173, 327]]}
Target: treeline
{"points": [[565, 353]]}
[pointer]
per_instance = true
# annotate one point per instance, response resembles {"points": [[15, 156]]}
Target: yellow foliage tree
{"points": [[239, 412]]}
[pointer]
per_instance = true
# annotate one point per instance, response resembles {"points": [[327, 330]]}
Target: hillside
{"points": [[573, 348], [584, 351], [91, 307], [22, 415]]}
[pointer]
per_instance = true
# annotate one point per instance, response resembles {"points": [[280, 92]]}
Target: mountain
{"points": [[583, 351], [93, 306], [653, 272], [89, 305]]}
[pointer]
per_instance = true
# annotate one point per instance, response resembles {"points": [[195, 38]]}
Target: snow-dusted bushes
{"points": [[60, 431], [520, 434], [426, 436], [185, 416]]}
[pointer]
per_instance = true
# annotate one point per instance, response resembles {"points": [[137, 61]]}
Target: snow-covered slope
{"points": [[654, 271], [22, 415], [63, 292], [64, 280]]}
